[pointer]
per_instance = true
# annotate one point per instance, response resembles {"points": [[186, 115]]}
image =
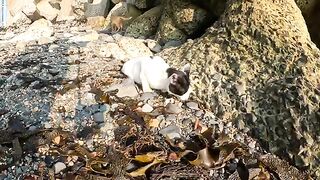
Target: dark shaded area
{"points": [[214, 8], [313, 23]]}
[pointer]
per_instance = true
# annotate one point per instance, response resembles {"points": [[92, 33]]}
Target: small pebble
{"points": [[171, 118], [252, 144], [147, 96], [53, 47], [238, 138], [104, 108], [173, 109], [99, 117], [161, 117], [147, 108], [114, 107], [58, 167], [193, 105], [199, 113], [71, 163], [229, 124], [49, 161], [18, 171], [169, 130], [47, 125], [32, 128]]}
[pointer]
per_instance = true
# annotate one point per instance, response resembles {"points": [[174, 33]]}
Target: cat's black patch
{"points": [[182, 83]]}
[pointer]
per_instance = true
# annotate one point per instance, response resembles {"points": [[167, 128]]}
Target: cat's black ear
{"points": [[174, 78], [186, 69]]}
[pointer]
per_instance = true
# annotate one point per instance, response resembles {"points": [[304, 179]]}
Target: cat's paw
{"points": [[147, 90]]}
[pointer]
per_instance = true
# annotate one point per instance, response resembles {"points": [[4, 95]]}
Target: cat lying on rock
{"points": [[152, 72]]}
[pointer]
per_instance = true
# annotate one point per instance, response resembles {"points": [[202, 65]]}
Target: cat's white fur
{"points": [[151, 73]]}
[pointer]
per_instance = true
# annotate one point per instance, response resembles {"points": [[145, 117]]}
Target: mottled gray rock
{"points": [[167, 30], [141, 4], [180, 20], [97, 8], [146, 24], [172, 43], [186, 16]]}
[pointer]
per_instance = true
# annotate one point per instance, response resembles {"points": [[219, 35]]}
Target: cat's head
{"points": [[179, 84]]}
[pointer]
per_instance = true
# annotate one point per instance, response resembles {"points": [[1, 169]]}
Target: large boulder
{"points": [[66, 11], [41, 28], [145, 25], [142, 4], [21, 12], [119, 9], [179, 20], [97, 8], [167, 30], [257, 66], [30, 10], [187, 16], [47, 11], [18, 19], [15, 6], [133, 47]]}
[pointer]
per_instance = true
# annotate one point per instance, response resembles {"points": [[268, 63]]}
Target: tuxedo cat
{"points": [[152, 72]]}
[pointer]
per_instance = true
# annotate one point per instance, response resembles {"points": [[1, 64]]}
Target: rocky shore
{"points": [[67, 112]]}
